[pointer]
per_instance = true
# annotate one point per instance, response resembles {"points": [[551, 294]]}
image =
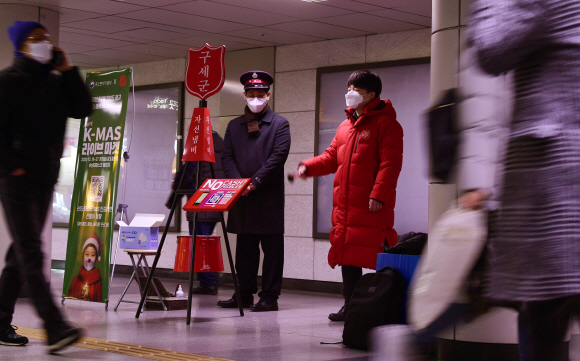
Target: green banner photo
{"points": [[91, 226]]}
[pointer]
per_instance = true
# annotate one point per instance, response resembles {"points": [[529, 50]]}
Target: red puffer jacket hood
{"points": [[366, 154]]}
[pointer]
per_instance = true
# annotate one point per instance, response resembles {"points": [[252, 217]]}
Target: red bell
{"points": [[208, 254]]}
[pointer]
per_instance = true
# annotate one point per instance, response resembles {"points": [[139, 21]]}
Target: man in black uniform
{"points": [[256, 146], [34, 105]]}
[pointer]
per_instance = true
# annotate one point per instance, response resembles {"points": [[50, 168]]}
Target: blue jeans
{"points": [[206, 279]]}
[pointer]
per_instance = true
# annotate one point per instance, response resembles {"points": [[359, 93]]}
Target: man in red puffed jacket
{"points": [[366, 154]]}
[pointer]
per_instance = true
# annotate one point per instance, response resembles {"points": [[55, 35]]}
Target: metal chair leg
{"points": [[146, 271], [125, 291]]}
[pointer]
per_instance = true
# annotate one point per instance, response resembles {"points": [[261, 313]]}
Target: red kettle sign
{"points": [[206, 73]]}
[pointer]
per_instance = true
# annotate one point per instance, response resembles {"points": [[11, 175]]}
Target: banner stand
{"points": [[179, 191], [87, 274], [122, 209]]}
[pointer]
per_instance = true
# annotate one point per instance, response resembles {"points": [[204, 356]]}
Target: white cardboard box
{"points": [[142, 233]]}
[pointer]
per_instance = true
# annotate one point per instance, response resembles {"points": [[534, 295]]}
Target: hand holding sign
{"points": [[248, 189]]}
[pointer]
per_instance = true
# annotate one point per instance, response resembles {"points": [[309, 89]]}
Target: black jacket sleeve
{"points": [[77, 96], [9, 160]]}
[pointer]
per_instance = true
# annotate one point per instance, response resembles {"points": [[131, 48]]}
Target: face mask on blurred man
{"points": [[40, 51]]}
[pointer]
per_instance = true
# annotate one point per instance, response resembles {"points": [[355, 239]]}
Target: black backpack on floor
{"points": [[378, 300]]}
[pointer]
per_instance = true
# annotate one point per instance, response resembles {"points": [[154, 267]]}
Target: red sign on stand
{"points": [[217, 195], [199, 142], [204, 76], [206, 72]]}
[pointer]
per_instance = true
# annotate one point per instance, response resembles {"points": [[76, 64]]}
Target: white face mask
{"points": [[353, 99], [256, 105], [41, 51]]}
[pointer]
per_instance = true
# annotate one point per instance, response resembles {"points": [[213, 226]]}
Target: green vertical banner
{"points": [[90, 235]]}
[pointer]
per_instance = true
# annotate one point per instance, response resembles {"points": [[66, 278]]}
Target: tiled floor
{"points": [[293, 333]]}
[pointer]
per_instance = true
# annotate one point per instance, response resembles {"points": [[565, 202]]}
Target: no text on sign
{"points": [[217, 195]]}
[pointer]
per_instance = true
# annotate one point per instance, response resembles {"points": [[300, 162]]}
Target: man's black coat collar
{"points": [[32, 67]]}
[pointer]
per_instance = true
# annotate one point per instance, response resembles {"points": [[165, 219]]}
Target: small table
{"points": [[144, 267]]}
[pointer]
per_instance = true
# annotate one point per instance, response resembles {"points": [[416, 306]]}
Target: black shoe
{"points": [[203, 290], [233, 303], [10, 338], [340, 316], [62, 336], [265, 305]]}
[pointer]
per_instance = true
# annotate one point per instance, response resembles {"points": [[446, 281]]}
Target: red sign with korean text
{"points": [[199, 142], [206, 71], [216, 195]]}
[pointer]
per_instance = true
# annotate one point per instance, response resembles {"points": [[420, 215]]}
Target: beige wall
{"points": [[294, 95]]}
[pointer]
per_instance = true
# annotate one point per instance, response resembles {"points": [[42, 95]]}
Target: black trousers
{"points": [[248, 262], [350, 277], [26, 203], [542, 326]]}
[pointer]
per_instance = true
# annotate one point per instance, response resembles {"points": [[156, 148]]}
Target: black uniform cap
{"points": [[256, 79]]}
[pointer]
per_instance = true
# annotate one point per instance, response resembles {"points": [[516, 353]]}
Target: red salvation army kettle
{"points": [[208, 254], [183, 254]]}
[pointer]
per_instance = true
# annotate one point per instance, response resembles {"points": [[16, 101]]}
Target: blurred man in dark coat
{"points": [[256, 146], [34, 106]]}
